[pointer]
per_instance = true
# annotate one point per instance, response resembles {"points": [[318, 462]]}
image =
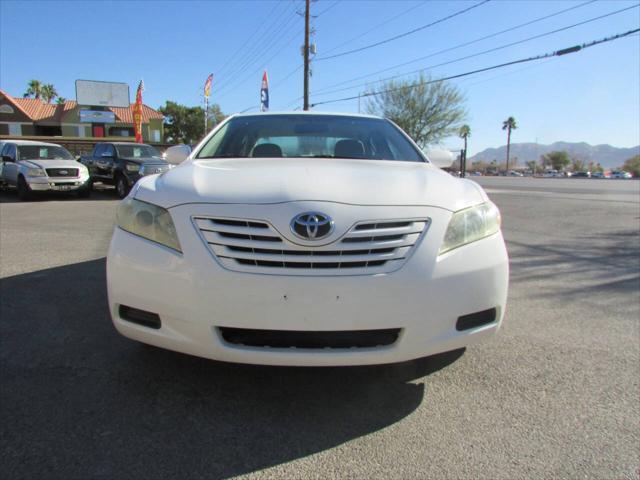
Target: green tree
{"points": [[578, 165], [479, 166], [48, 92], [595, 167], [508, 125], [215, 116], [632, 165], [533, 166], [61, 100], [557, 160], [184, 124], [428, 112], [34, 89]]}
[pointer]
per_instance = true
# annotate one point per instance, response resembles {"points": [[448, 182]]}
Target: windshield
{"points": [[137, 151], [43, 152], [321, 136]]}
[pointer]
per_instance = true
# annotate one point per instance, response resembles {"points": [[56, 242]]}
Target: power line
{"points": [[557, 53], [299, 67], [328, 8], [234, 56], [262, 65], [465, 44], [265, 42], [366, 47], [484, 52], [375, 27]]}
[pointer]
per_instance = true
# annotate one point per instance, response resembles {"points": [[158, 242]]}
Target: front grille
{"points": [[256, 246], [153, 169], [309, 340], [62, 172]]}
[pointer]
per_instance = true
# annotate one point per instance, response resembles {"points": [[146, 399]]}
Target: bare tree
{"points": [[428, 111]]}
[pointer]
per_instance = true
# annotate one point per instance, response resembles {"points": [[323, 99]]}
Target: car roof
{"points": [[31, 142], [308, 112], [126, 143]]}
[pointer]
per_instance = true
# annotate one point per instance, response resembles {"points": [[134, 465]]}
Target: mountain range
{"points": [[606, 155]]}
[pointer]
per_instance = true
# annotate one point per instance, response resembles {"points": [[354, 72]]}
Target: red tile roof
{"points": [[37, 110]]}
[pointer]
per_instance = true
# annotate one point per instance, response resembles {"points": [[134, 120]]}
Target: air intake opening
{"points": [[309, 339], [477, 319], [141, 317]]}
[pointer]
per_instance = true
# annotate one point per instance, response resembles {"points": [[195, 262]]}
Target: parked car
{"points": [[581, 175], [122, 164], [514, 173], [42, 167], [551, 173], [599, 175], [621, 174], [307, 239]]}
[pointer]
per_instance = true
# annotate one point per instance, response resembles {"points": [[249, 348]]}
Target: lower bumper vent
{"points": [[477, 319], [141, 317], [310, 340]]}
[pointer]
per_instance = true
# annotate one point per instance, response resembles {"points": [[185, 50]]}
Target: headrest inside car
{"points": [[267, 150], [349, 149]]}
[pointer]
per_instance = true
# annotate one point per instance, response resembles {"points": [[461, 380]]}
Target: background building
{"points": [[29, 117]]}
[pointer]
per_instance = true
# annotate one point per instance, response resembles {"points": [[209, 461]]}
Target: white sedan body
{"points": [[252, 282]]}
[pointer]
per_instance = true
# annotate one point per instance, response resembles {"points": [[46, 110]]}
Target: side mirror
{"points": [[7, 158], [177, 154], [441, 158]]}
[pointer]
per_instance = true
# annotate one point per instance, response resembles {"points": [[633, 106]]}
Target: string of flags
{"points": [[264, 91]]}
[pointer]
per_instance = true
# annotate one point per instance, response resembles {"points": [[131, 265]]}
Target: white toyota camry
{"points": [[307, 239]]}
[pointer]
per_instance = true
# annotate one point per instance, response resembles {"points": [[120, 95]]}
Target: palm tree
{"points": [[34, 89], [48, 92], [508, 125], [464, 132], [61, 100]]}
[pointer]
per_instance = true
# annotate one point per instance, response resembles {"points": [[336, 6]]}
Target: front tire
{"points": [[24, 191], [122, 186]]}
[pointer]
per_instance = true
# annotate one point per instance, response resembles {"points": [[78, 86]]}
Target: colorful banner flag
{"points": [[264, 93], [137, 113], [207, 86]]}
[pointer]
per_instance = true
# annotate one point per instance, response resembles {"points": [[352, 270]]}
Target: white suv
{"points": [[38, 167]]}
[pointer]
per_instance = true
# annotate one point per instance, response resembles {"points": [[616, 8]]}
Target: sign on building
{"points": [[103, 94], [97, 116]]}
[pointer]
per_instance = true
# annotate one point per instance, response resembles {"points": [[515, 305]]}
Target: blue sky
{"points": [[592, 95]]}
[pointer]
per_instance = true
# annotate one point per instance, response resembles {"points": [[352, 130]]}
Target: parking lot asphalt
{"points": [[556, 394]]}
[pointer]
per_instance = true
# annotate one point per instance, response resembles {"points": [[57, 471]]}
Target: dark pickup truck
{"points": [[122, 164]]}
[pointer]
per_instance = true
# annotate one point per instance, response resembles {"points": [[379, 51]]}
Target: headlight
{"points": [[471, 224], [148, 221], [132, 167], [36, 172]]}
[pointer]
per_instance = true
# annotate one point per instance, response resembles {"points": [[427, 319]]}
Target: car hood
{"points": [[52, 163], [143, 160], [265, 181]]}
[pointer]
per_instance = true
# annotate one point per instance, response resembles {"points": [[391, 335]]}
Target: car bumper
{"points": [[194, 296], [61, 184]]}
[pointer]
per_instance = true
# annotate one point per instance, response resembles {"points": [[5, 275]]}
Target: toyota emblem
{"points": [[312, 225]]}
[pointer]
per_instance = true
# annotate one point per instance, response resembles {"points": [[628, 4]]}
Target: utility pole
{"points": [[206, 114], [306, 56]]}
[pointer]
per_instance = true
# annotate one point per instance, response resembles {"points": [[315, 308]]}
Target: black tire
{"points": [[24, 191], [122, 186]]}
